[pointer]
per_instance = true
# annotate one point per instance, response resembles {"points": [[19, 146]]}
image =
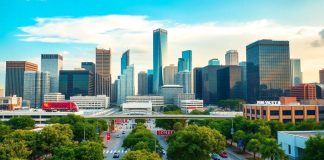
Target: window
{"points": [[286, 112], [310, 112], [299, 112], [274, 113], [264, 112], [248, 111], [253, 111], [289, 149], [258, 112], [286, 120]]}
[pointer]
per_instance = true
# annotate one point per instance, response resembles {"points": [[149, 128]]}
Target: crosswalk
{"points": [[121, 151]]}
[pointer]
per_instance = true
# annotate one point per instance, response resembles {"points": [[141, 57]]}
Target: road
{"points": [[151, 125]]}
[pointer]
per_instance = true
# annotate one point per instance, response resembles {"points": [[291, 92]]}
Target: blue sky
{"points": [[223, 19]]}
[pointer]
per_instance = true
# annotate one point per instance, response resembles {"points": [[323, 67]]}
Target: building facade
{"points": [[169, 92], [170, 73], [54, 97], [187, 106], [52, 63], [213, 62], [244, 79], [10, 103], [91, 102], [321, 76], [124, 61], [15, 76], [295, 71], [183, 96], [137, 108], [268, 70], [303, 91], [157, 101], [142, 83], [103, 72], [160, 47], [184, 79], [231, 57], [114, 92], [125, 84], [90, 66], [197, 78], [76, 82], [2, 92], [187, 57], [150, 81], [36, 85]]}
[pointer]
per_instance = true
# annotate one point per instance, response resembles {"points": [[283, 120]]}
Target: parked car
{"points": [[223, 154], [123, 132], [118, 136], [116, 155], [214, 156]]}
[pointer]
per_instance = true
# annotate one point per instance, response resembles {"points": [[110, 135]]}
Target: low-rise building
{"points": [[54, 97], [285, 110], [137, 108], [187, 106], [293, 142], [91, 102], [183, 96], [10, 103], [157, 101], [303, 91], [169, 92]]}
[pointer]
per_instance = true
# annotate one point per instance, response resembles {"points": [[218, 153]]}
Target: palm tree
{"points": [[270, 149], [254, 146]]}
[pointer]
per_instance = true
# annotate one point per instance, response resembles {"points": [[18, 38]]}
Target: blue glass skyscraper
{"points": [[214, 62], [159, 57], [187, 57], [124, 61], [181, 64]]}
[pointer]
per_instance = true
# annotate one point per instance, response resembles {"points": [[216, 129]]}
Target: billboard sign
{"points": [[164, 132]]}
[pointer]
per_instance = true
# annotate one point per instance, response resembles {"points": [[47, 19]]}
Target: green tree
{"points": [[178, 126], [239, 136], [11, 149], [169, 123], [22, 122], [141, 155], [314, 148], [141, 146], [195, 142], [270, 149], [64, 153], [85, 130], [254, 146], [232, 104], [89, 150], [140, 121], [169, 108], [4, 130]]}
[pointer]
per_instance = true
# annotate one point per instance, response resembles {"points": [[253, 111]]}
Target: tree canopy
{"points": [[21, 122], [141, 155], [314, 148]]}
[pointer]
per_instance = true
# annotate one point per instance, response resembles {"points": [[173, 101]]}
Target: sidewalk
{"points": [[232, 149]]}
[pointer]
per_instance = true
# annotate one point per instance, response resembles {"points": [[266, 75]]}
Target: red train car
{"points": [[60, 106]]}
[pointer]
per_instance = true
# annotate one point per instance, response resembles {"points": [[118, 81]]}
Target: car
{"points": [[118, 136], [214, 156], [163, 152], [116, 155], [123, 132], [223, 154]]}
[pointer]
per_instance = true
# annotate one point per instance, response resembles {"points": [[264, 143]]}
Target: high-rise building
{"points": [[15, 76], [90, 66], [103, 72], [170, 73], [125, 84], [197, 74], [169, 92], [150, 81], [76, 82], [124, 61], [36, 85], [295, 71], [142, 83], [159, 57], [244, 81], [52, 63], [114, 92], [184, 79], [321, 75], [181, 64], [268, 70], [231, 57], [214, 62], [1, 92], [187, 57], [304, 91]]}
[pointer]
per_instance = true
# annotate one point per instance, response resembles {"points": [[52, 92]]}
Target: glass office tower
{"points": [[295, 71], [187, 57], [159, 57], [90, 66], [214, 62], [125, 84], [150, 81], [268, 70], [231, 57], [124, 61], [52, 63]]}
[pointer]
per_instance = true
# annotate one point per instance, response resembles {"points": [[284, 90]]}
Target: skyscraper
{"points": [[321, 76], [295, 71], [181, 64], [184, 79], [90, 66], [52, 63], [244, 81], [76, 82], [125, 84], [36, 85], [15, 76], [268, 70], [124, 61], [114, 92], [150, 81], [159, 57], [197, 74], [231, 57], [170, 73], [214, 62], [187, 57], [142, 83], [103, 72]]}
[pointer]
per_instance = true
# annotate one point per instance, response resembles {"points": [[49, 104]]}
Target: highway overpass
{"points": [[160, 116]]}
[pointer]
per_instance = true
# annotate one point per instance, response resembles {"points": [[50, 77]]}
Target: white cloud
{"points": [[207, 40]]}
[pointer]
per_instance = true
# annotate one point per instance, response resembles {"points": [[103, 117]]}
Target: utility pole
{"points": [[83, 133]]}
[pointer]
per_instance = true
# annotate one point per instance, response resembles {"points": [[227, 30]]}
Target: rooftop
{"points": [[304, 134]]}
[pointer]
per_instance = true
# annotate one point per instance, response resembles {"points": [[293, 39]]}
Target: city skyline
{"points": [[34, 34]]}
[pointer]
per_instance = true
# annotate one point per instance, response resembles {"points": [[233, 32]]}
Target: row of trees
{"points": [[143, 145], [53, 142], [173, 124]]}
